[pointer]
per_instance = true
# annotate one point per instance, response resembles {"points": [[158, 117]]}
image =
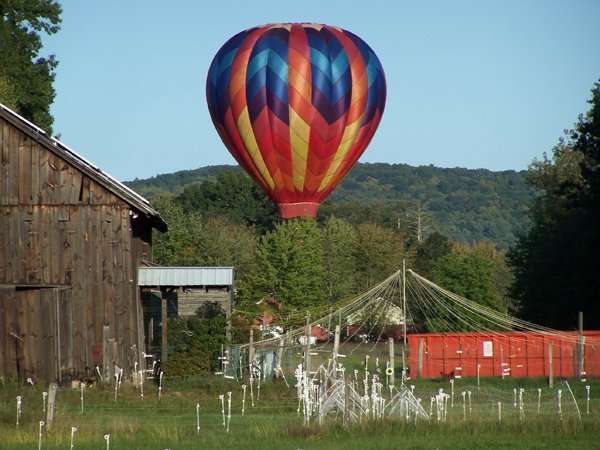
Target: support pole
{"points": [[420, 367], [581, 346], [550, 366], [392, 378], [404, 299], [51, 400], [336, 347], [251, 352], [163, 325], [307, 348]]}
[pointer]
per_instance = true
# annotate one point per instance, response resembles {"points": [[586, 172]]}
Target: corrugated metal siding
{"points": [[185, 276]]}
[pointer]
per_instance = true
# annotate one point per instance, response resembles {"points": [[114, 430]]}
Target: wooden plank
{"points": [[24, 168], [7, 351], [35, 188], [120, 325], [13, 166], [46, 344], [67, 301], [86, 298], [98, 289], [55, 245], [4, 161]]}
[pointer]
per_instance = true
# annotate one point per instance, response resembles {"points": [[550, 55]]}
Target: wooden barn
{"points": [[71, 241]]}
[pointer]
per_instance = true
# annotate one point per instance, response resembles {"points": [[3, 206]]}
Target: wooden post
{"points": [[392, 376], [228, 309], [550, 367], [420, 368], [163, 324], [150, 334], [336, 347], [251, 351], [278, 373], [51, 400], [581, 347], [307, 346]]}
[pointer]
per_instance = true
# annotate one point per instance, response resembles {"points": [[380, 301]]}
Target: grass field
{"points": [[274, 422]]}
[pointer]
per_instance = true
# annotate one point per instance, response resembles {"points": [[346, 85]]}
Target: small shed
{"points": [[182, 291], [71, 240]]}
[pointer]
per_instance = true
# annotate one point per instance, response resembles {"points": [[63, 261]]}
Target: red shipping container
{"points": [[514, 354]]}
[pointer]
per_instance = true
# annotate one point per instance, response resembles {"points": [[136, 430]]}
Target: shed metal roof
{"points": [[185, 276]]}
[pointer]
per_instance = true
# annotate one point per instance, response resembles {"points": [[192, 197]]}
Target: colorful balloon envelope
{"points": [[296, 104]]}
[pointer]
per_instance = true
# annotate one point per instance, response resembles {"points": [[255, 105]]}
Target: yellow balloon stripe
{"points": [[346, 143], [299, 139], [244, 126]]}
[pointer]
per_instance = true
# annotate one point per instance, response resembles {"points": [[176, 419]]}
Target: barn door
{"points": [[37, 324], [8, 336]]}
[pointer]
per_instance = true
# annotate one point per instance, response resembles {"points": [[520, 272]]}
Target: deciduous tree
{"points": [[25, 77]]}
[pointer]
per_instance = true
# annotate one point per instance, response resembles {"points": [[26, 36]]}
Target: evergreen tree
{"points": [[25, 78], [555, 262]]}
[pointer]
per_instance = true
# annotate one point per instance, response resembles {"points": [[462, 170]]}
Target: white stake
{"points": [[81, 396], [44, 396], [478, 367], [142, 384], [19, 403], [431, 406], [560, 403], [464, 404], [515, 397], [198, 419], [116, 385], [469, 394], [107, 439], [539, 399], [258, 390], [452, 393], [499, 411], [243, 398], [30, 381], [222, 398], [521, 413], [40, 435], [251, 391], [228, 410], [587, 405], [160, 376], [73, 430]]}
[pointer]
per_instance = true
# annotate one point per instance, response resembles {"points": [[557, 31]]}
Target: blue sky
{"points": [[476, 84]]}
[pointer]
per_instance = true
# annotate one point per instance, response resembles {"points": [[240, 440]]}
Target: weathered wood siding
{"points": [[69, 250]]}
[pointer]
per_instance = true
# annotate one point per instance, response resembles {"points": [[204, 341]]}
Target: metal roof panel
{"points": [[185, 276]]}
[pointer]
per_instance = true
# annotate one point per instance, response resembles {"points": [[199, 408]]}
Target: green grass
{"points": [[273, 422]]}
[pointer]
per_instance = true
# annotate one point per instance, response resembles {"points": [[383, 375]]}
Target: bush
{"points": [[195, 342]]}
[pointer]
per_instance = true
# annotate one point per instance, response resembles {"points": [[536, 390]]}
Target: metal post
{"points": [[251, 352], [420, 368], [307, 343], [404, 299], [392, 377], [581, 346]]}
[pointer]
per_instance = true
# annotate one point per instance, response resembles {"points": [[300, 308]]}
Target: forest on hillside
{"points": [[466, 205]]}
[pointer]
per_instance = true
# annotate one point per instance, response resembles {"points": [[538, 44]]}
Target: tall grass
{"points": [[273, 422]]}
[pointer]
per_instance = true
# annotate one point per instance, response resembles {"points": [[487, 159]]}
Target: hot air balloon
{"points": [[296, 104]]}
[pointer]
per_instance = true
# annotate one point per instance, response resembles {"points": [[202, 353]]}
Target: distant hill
{"points": [[467, 205]]}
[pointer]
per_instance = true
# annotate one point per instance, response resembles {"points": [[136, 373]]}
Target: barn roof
{"points": [[136, 201], [185, 276]]}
